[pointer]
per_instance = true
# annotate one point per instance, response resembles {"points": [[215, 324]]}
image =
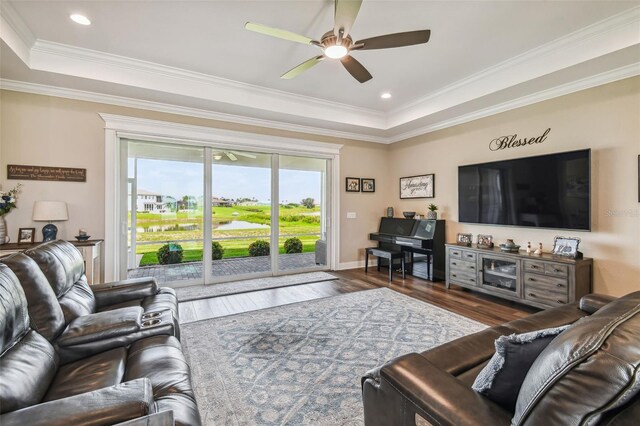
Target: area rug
{"points": [[212, 290], [301, 364]]}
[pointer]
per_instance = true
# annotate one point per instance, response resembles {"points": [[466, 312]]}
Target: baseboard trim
{"points": [[356, 264]]}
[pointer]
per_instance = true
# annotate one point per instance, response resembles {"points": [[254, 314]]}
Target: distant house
{"points": [[248, 203], [150, 201], [221, 202]]}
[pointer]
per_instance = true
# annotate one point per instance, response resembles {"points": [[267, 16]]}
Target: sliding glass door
{"points": [[302, 217], [208, 214]]}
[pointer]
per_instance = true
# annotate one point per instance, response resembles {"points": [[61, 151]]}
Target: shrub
{"points": [[170, 253], [293, 245], [217, 251], [259, 248]]}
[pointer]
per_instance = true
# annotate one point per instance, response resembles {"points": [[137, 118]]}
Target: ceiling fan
{"points": [[337, 43], [231, 155]]}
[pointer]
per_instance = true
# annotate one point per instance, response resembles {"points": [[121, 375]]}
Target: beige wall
{"points": [[44, 130], [605, 119], [49, 131]]}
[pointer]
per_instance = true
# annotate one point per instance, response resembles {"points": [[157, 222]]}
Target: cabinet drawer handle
{"points": [[472, 280], [534, 266], [453, 263], [560, 301], [453, 275], [532, 295], [559, 285], [531, 279], [469, 255], [557, 270], [472, 267]]}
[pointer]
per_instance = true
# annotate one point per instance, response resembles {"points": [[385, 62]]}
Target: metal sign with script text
{"points": [[512, 141]]}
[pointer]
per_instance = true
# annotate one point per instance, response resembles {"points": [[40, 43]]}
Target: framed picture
{"points": [[353, 184], [26, 235], [485, 241], [566, 246], [368, 185], [417, 186], [464, 239]]}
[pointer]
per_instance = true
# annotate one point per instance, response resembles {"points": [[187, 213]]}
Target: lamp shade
{"points": [[50, 211]]}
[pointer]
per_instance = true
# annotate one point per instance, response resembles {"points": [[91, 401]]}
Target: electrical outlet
{"points": [[351, 215]]}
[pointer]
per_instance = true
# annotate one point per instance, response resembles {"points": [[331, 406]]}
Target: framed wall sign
{"points": [[64, 174], [417, 186]]}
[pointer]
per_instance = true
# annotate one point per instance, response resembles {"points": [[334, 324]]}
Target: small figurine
{"points": [[538, 250], [529, 247]]}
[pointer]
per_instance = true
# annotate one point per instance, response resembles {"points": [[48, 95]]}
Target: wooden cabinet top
{"points": [[522, 254], [27, 246]]}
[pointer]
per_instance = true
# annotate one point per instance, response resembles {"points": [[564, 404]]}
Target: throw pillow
{"points": [[502, 377]]}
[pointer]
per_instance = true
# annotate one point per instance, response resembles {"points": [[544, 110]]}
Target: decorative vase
{"points": [[389, 211], [432, 215], [3, 231]]}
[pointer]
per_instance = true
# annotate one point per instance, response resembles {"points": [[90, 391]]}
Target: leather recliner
{"points": [[82, 320], [110, 387], [587, 375]]}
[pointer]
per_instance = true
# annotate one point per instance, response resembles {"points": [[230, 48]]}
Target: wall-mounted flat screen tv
{"points": [[546, 191]]}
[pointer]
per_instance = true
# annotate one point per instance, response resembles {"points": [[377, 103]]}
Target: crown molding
{"points": [[15, 32], [606, 36], [81, 95], [621, 73], [86, 63]]}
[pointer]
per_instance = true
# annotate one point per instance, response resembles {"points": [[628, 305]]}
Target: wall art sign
{"points": [[512, 141], [65, 174], [417, 186]]}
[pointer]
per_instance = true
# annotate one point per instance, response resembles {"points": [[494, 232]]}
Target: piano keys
{"points": [[422, 239]]}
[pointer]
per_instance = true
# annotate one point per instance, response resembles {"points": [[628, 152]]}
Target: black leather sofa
{"points": [[74, 354], [587, 375]]}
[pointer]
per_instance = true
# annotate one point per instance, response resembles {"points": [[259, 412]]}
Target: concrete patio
{"points": [[223, 267]]}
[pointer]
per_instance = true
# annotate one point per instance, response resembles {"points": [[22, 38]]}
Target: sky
{"points": [[176, 178]]}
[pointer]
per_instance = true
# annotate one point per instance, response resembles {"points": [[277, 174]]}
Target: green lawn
{"points": [[177, 227]]}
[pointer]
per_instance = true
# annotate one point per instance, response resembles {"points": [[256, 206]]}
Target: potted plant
{"points": [[7, 202], [433, 212]]}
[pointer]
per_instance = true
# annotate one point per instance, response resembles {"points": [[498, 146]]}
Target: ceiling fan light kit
{"points": [[338, 44]]}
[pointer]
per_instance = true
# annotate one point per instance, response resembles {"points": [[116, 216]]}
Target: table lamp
{"points": [[49, 211]]}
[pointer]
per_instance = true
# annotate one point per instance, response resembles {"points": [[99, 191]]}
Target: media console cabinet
{"points": [[543, 281]]}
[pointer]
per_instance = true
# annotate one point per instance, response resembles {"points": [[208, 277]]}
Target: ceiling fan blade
{"points": [[294, 72], [231, 156], [243, 154], [356, 69], [393, 40], [277, 32], [345, 14]]}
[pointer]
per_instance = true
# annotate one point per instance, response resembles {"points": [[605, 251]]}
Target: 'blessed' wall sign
{"points": [[511, 141]]}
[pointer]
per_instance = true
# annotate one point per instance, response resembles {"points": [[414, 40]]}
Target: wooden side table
{"points": [[91, 253]]}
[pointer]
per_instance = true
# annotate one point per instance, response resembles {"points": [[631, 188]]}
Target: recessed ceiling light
{"points": [[386, 95], [80, 19]]}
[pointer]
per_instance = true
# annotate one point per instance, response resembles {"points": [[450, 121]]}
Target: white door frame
{"points": [[122, 127]]}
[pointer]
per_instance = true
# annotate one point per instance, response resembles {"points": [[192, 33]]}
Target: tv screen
{"points": [[547, 191]]}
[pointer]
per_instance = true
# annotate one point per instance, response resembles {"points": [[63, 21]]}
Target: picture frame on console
{"points": [[26, 235], [566, 246], [464, 239], [485, 241], [421, 186]]}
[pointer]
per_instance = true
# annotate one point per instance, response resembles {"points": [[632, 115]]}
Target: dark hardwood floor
{"points": [[486, 309]]}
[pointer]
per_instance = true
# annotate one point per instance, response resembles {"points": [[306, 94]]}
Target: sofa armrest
{"points": [[101, 326], [163, 418], [594, 301], [444, 399], [106, 406], [124, 291]]}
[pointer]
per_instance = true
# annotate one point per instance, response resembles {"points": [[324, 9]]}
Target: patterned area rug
{"points": [[196, 292], [301, 364]]}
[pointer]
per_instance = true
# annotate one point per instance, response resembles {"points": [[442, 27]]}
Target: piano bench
{"points": [[390, 255]]}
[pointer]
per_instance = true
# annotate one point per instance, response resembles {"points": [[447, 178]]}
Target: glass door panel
{"points": [[241, 214], [303, 225], [165, 212]]}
